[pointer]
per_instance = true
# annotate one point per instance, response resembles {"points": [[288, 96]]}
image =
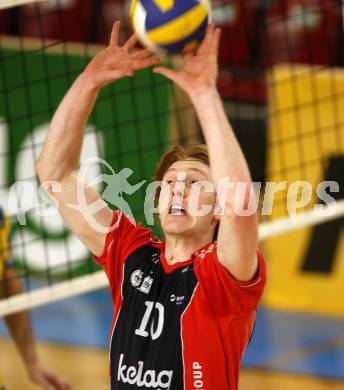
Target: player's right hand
{"points": [[46, 378], [116, 62]]}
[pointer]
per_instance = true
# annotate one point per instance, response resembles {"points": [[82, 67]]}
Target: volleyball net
{"points": [[282, 84]]}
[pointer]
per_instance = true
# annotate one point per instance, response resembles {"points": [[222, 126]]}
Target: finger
{"points": [[58, 383], [131, 42], [209, 31], [115, 33], [146, 63], [142, 54], [45, 384], [207, 40], [216, 40], [54, 380], [188, 54]]}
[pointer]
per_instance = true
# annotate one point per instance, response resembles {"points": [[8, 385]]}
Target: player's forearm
{"points": [[62, 148], [21, 332], [226, 156], [19, 324]]}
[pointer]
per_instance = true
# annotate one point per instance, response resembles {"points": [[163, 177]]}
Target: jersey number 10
{"points": [[155, 329]]}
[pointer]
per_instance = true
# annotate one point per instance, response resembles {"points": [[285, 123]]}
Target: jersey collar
{"points": [[207, 248]]}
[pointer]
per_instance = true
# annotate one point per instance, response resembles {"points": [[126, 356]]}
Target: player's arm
{"points": [[238, 235], [59, 159], [19, 326]]}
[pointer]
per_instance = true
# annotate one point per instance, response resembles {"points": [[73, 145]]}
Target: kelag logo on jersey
{"points": [[135, 375]]}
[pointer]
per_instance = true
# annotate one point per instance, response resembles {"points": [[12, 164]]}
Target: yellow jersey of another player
{"points": [[4, 241], [4, 249]]}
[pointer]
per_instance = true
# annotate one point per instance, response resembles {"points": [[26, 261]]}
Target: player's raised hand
{"points": [[115, 62], [200, 70]]}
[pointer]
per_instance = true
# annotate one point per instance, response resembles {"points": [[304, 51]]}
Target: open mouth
{"points": [[177, 210]]}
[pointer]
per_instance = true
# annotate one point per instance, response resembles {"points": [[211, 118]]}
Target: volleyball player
{"points": [[19, 323], [184, 307]]}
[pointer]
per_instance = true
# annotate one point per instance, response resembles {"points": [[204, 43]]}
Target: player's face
{"points": [[189, 203]]}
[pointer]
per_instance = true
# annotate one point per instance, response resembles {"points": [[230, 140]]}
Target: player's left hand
{"points": [[200, 70], [46, 378]]}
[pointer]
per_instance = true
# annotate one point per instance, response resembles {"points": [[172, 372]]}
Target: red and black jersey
{"points": [[179, 327]]}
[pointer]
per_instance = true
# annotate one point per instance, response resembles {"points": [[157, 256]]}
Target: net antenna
{"points": [[98, 280], [14, 3]]}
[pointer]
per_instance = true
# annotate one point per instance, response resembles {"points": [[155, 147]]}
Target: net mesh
{"points": [[281, 81]]}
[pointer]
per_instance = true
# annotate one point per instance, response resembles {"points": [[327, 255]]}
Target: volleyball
{"points": [[171, 26]]}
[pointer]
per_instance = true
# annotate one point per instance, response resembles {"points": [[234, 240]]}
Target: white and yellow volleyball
{"points": [[172, 26]]}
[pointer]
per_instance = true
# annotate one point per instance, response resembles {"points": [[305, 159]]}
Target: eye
{"points": [[193, 182]]}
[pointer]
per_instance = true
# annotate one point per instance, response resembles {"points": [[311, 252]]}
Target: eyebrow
{"points": [[188, 170]]}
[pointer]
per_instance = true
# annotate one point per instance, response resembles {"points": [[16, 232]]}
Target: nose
{"points": [[178, 188]]}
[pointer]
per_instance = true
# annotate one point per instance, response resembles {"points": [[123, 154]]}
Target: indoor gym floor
{"points": [[288, 350]]}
